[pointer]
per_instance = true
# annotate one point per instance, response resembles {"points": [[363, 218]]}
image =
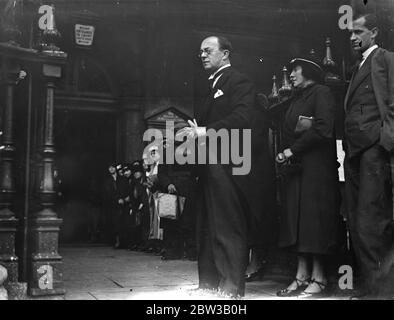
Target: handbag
{"points": [[170, 206]]}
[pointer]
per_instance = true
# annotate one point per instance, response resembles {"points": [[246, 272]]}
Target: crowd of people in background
{"points": [[129, 217]]}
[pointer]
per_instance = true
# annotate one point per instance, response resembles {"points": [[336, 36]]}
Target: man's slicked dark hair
{"points": [[224, 44], [371, 20]]}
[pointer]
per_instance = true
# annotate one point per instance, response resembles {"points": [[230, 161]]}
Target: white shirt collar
{"points": [[217, 71], [154, 169], [367, 52]]}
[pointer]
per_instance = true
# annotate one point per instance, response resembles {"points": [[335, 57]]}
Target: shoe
{"points": [[361, 295], [171, 257], [190, 254], [228, 295], [191, 258], [322, 293], [142, 247], [133, 248], [301, 285], [159, 252], [255, 276]]}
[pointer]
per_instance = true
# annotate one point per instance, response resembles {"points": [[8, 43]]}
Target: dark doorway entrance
{"points": [[85, 145]]}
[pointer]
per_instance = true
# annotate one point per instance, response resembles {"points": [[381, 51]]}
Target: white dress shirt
{"points": [[216, 72], [366, 54]]}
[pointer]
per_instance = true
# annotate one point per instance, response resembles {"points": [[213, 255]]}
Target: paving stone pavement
{"points": [[103, 273]]}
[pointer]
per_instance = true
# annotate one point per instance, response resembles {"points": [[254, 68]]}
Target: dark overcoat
{"points": [[237, 108], [227, 204], [310, 220]]}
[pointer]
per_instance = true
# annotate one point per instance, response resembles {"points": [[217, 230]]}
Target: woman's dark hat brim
{"points": [[303, 61]]}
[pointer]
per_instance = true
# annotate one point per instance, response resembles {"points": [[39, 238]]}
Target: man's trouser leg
{"points": [[368, 194]]}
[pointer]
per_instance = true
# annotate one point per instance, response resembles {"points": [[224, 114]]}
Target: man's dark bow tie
{"points": [[211, 81]]}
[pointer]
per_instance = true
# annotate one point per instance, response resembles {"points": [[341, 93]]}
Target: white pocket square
{"points": [[218, 94]]}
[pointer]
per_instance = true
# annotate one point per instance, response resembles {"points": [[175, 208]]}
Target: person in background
{"points": [[112, 210], [127, 223], [140, 207], [179, 234], [119, 170], [263, 231], [155, 233], [145, 163], [118, 221]]}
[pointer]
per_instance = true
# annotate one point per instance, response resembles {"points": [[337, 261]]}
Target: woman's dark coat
{"points": [[310, 219]]}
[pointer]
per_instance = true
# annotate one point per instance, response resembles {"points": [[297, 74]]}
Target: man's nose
{"points": [[352, 36]]}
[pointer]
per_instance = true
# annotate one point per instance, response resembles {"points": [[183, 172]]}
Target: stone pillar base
{"points": [[3, 293], [12, 268], [45, 265], [8, 259], [16, 290]]}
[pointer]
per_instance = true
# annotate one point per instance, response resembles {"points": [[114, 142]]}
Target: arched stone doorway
{"points": [[86, 139]]}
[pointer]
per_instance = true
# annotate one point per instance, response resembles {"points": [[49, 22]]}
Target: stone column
{"points": [[133, 130], [8, 222], [46, 275]]}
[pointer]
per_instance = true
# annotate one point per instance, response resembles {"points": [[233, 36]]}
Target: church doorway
{"points": [[85, 145]]}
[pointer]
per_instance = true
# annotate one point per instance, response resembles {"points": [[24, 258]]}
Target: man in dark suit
{"points": [[369, 143], [227, 203]]}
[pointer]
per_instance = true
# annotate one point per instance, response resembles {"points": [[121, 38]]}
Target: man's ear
{"points": [[375, 32], [226, 54]]}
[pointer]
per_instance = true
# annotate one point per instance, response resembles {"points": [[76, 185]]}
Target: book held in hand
{"points": [[303, 124]]}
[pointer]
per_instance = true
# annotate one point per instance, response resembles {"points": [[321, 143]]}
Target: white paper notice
{"points": [[340, 158], [84, 35]]}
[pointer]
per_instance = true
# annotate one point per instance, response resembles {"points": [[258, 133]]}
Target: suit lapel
{"points": [[359, 77], [348, 89], [207, 106], [224, 77], [364, 71]]}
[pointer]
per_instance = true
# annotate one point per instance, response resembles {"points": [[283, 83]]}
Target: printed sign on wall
{"points": [[84, 35]]}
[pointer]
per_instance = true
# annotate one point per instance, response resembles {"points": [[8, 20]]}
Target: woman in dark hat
{"points": [[310, 220]]}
